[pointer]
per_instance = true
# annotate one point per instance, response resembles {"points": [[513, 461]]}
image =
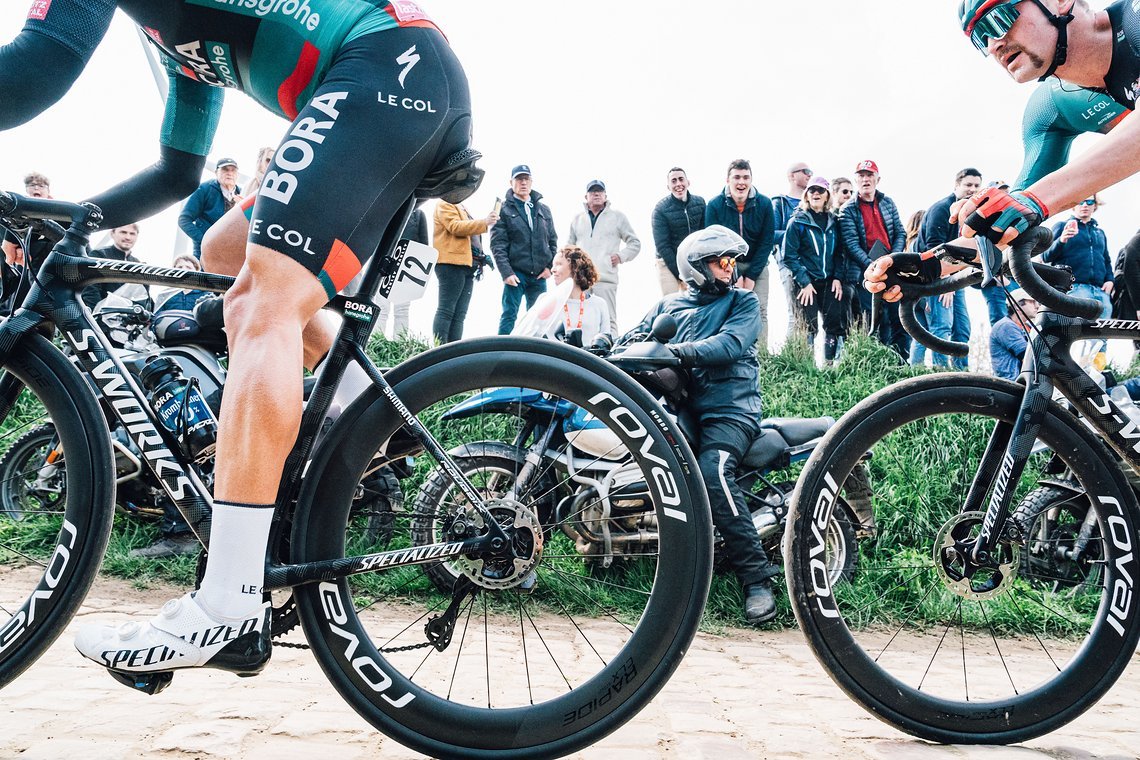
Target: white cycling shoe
{"points": [[181, 635]]}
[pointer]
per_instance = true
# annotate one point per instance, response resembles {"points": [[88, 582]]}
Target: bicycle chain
{"points": [[410, 647]]}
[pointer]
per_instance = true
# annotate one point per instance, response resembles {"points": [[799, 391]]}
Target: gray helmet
{"points": [[701, 247]]}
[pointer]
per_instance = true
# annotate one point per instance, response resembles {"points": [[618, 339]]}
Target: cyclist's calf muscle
{"points": [[266, 310]]}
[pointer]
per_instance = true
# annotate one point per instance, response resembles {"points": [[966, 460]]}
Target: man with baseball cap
{"points": [[606, 234], [1010, 335], [210, 201], [868, 218], [523, 243], [946, 315]]}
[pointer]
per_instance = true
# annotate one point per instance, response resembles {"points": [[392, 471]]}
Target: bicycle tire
{"points": [[927, 664], [45, 575], [420, 705], [21, 462]]}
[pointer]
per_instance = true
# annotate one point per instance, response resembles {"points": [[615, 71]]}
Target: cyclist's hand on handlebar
{"points": [[1000, 216], [886, 273]]}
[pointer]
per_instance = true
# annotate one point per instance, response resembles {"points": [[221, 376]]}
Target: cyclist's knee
{"points": [[223, 247], [272, 292]]}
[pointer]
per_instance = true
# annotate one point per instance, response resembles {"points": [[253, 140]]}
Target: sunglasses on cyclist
{"points": [[1088, 202], [992, 24]]}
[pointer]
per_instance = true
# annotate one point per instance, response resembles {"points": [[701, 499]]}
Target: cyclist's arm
{"points": [[1054, 117], [45, 59], [1111, 160], [188, 127]]}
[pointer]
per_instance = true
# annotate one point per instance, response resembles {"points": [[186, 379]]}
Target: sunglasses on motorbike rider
{"points": [[725, 262], [992, 24]]}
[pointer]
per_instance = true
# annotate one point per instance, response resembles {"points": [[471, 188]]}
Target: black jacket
{"points": [[673, 221], [855, 237], [756, 225], [812, 252], [97, 291], [716, 340], [516, 246], [936, 226]]}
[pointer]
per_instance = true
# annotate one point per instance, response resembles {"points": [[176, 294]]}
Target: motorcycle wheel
{"points": [[20, 493], [841, 553], [1052, 518]]}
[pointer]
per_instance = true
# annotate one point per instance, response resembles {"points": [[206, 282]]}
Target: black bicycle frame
{"points": [[53, 299], [1048, 363]]}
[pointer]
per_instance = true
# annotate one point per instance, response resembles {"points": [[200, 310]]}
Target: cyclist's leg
{"points": [[223, 251], [302, 250]]}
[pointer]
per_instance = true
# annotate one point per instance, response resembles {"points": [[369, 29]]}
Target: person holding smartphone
{"points": [[458, 239]]}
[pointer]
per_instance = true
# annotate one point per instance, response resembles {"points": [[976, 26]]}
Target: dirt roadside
{"points": [[743, 695]]}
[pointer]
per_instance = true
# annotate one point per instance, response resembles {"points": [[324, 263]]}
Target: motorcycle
{"points": [[592, 495], [33, 473]]}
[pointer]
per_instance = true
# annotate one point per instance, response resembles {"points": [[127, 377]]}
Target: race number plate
{"points": [[415, 263]]}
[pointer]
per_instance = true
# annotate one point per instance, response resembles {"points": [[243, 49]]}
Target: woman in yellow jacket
{"points": [[460, 258]]}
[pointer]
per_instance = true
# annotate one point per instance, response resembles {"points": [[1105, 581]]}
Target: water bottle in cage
{"points": [[180, 407]]}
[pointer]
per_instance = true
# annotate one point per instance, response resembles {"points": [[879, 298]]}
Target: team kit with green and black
{"points": [[314, 62]]}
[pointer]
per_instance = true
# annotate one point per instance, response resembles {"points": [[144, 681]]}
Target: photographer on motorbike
{"points": [[717, 328]]}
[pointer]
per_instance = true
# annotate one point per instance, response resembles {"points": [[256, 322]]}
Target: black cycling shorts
{"points": [[392, 106]]}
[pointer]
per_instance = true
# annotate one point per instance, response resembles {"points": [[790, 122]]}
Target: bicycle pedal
{"points": [[148, 683]]}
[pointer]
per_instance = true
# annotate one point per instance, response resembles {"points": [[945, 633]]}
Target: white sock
{"points": [[235, 570]]}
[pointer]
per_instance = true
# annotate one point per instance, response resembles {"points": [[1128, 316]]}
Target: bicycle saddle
{"points": [[455, 180]]}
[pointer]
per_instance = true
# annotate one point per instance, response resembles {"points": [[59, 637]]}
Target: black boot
{"points": [[759, 603]]}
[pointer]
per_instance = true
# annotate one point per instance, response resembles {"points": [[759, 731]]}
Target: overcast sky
{"points": [[622, 91]]}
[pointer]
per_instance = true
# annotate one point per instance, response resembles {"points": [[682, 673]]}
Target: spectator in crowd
{"points": [[841, 191], [1010, 336], [523, 243], [182, 299], [571, 306], [457, 237], [209, 202], [123, 241], [815, 259], [748, 213], [264, 159], [36, 185], [1126, 291], [868, 218], [913, 227], [675, 217], [1081, 245], [416, 229], [783, 206], [606, 234], [946, 315]]}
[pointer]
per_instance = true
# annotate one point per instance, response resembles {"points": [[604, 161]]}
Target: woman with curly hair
{"points": [[570, 305]]}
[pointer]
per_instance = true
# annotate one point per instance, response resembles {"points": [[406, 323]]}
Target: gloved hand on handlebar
{"points": [[1000, 216], [921, 268]]}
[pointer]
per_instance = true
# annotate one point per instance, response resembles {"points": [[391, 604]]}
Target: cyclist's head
{"points": [[706, 259], [985, 21]]}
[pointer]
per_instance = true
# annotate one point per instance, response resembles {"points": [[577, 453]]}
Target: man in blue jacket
{"points": [[947, 317], [748, 213], [717, 327], [868, 218], [523, 243], [1081, 245], [209, 202]]}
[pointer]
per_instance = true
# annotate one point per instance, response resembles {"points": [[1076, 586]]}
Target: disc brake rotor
{"points": [[964, 576]]}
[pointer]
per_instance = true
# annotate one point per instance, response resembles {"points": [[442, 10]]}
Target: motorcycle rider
{"points": [[717, 328]]}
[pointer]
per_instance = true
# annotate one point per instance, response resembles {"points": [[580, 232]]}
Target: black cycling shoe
{"points": [[759, 603]]}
